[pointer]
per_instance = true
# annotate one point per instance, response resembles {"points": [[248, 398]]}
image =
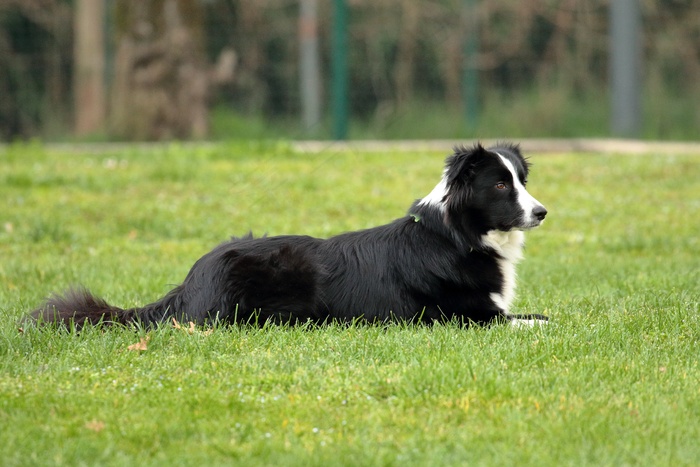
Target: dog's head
{"points": [[484, 189]]}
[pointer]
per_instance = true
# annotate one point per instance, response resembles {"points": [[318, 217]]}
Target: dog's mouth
{"points": [[532, 224], [521, 227], [525, 224]]}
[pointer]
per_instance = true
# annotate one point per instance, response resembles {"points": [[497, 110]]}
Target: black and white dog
{"points": [[452, 256]]}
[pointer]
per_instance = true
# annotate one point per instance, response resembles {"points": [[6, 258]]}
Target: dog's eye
{"points": [[501, 186]]}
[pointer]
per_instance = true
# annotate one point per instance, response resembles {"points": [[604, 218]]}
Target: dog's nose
{"points": [[539, 212]]}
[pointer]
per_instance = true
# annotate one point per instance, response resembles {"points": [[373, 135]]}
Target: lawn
{"points": [[613, 380]]}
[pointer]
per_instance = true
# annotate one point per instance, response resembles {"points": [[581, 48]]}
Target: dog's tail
{"points": [[78, 307]]}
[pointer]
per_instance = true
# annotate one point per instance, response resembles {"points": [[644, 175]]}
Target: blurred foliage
{"points": [[403, 53], [35, 65]]}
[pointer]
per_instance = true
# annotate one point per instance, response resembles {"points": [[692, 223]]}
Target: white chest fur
{"points": [[509, 246]]}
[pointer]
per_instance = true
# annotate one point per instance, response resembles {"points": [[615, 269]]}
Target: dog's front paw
{"points": [[527, 321]]}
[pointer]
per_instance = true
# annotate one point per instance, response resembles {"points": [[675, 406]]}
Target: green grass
{"points": [[613, 380], [551, 110]]}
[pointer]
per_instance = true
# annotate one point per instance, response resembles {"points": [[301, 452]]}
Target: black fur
{"points": [[432, 264]]}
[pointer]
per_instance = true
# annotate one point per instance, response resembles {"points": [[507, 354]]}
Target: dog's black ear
{"points": [[460, 169], [461, 166]]}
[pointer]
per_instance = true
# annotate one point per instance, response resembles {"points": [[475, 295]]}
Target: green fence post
{"points": [[340, 70]]}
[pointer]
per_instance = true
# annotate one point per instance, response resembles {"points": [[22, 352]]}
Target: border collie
{"points": [[452, 257]]}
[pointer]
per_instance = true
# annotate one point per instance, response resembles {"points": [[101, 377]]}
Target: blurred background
{"points": [[133, 70]]}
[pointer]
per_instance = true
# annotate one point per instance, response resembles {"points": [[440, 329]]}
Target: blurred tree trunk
{"points": [[406, 53], [161, 77], [89, 67]]}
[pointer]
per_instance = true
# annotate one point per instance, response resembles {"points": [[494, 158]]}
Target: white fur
{"points": [[527, 202], [527, 323], [509, 246], [437, 196]]}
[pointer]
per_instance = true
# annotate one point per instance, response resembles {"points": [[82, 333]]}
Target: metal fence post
{"points": [[309, 73], [625, 67], [340, 70]]}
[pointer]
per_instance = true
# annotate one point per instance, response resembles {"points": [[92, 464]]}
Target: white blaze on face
{"points": [[526, 201], [437, 196]]}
